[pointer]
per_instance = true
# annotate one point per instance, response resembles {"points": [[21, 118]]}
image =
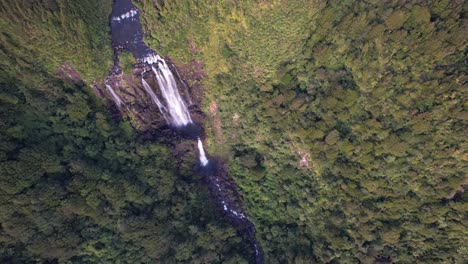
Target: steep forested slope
{"points": [[77, 184], [342, 124]]}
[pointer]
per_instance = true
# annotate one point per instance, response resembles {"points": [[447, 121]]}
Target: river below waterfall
{"points": [[127, 35]]}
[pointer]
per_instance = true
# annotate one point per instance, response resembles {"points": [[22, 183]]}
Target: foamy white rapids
{"points": [[203, 159], [118, 101], [151, 59], [129, 14], [155, 99], [257, 251], [178, 111]]}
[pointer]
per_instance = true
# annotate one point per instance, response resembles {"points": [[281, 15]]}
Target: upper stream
{"points": [[127, 35]]}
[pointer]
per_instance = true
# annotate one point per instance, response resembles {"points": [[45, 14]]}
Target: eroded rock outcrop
{"points": [[156, 96], [125, 92]]}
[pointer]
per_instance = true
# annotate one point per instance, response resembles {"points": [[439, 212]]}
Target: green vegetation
{"points": [[43, 35], [77, 186], [343, 124]]}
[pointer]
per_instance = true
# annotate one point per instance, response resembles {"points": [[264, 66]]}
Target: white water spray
{"points": [[130, 14], [118, 101], [155, 99], [178, 111], [203, 159]]}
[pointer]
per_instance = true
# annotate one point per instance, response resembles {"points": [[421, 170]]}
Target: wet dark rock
{"points": [[228, 202], [190, 131], [135, 104]]}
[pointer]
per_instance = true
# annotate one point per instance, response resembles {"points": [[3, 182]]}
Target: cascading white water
{"points": [[186, 90], [177, 110], [155, 99], [127, 33], [118, 101], [203, 159], [130, 14]]}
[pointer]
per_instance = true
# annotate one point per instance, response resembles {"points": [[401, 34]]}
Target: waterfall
{"points": [[203, 159], [186, 90], [117, 100], [127, 34], [155, 99], [176, 108]]}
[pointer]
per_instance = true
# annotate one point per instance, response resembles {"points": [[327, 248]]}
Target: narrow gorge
{"points": [[234, 132], [160, 81]]}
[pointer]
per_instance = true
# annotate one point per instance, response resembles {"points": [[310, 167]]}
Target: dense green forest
{"points": [[76, 185], [342, 123]]}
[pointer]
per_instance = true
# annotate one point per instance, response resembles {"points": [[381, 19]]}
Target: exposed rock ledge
{"points": [[138, 107]]}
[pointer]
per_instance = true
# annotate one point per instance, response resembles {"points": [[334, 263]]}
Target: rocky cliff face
{"points": [[137, 105]]}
